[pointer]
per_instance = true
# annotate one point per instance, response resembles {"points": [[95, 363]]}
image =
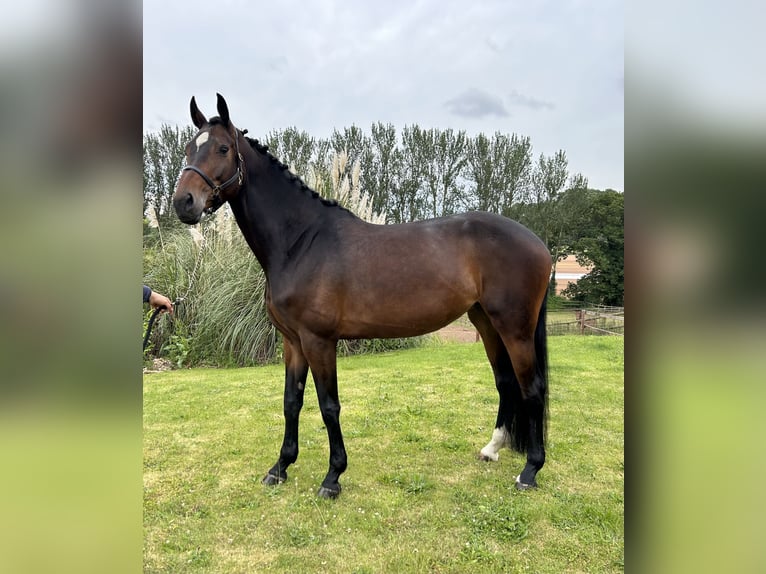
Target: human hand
{"points": [[157, 300]]}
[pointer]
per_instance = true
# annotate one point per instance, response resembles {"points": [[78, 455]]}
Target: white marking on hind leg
{"points": [[500, 438]]}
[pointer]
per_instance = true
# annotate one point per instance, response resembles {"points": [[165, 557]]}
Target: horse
{"points": [[330, 276]]}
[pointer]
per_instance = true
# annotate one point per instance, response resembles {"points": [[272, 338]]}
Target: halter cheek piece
{"points": [[217, 189]]}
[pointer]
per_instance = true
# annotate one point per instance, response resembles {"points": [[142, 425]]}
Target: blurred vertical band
{"points": [[70, 389], [696, 173]]}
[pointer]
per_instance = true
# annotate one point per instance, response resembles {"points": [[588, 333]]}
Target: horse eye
{"points": [[223, 149]]}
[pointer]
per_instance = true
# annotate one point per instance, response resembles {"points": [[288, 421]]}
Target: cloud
{"points": [[475, 103], [518, 99], [493, 44]]}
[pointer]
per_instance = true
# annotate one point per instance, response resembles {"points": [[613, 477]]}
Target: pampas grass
{"points": [[222, 318], [347, 191], [222, 312]]}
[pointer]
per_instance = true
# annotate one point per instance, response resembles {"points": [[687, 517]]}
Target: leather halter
{"points": [[217, 189]]}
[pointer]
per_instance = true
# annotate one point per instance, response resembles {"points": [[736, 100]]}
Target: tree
{"points": [[499, 168], [548, 179], [441, 163], [163, 160], [380, 165], [405, 202], [601, 244], [540, 211], [294, 148], [565, 207], [450, 161], [319, 176], [351, 140]]}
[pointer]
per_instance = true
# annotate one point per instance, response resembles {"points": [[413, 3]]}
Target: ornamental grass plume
{"points": [[346, 189]]}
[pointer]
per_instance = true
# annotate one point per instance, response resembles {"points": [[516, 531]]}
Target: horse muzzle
{"points": [[188, 208]]}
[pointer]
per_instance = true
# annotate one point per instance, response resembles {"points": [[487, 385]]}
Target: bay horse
{"points": [[330, 276]]}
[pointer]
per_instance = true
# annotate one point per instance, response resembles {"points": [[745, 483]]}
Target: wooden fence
{"points": [[569, 318], [587, 320]]}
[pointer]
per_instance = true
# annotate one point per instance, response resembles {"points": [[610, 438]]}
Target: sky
{"points": [[552, 71]]}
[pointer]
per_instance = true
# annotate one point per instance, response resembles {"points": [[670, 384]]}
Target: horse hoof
{"points": [[325, 492], [523, 485], [488, 456], [272, 480]]}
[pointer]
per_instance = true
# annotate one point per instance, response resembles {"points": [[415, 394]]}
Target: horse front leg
{"points": [[321, 354], [296, 371]]}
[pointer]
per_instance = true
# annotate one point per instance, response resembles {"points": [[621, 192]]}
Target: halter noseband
{"points": [[217, 189]]}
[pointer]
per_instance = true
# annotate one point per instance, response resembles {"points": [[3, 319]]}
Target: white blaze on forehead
{"points": [[202, 138]]}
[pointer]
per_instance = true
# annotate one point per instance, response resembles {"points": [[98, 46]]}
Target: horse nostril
{"points": [[184, 204]]}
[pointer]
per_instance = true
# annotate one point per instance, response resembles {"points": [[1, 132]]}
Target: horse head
{"points": [[214, 170]]}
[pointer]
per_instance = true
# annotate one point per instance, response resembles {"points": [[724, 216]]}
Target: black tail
{"points": [[541, 355], [517, 420]]}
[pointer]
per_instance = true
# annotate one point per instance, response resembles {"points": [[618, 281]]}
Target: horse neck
{"points": [[272, 210]]}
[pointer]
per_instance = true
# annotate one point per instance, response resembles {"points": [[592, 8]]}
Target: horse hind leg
{"points": [[531, 419], [518, 355], [529, 356], [505, 382]]}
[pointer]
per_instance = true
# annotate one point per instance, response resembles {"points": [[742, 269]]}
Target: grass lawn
{"points": [[415, 498]]}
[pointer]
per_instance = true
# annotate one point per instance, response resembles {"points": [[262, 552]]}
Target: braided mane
{"points": [[299, 183], [264, 149]]}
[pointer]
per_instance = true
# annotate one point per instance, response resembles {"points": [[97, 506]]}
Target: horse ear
{"points": [[196, 115], [223, 110]]}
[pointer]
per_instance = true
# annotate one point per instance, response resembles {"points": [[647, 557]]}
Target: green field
{"points": [[415, 498]]}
